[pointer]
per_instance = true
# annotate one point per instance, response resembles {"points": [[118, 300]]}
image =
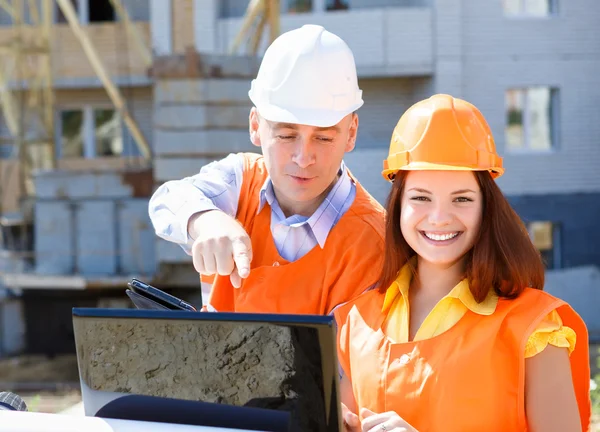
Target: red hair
{"points": [[503, 257]]}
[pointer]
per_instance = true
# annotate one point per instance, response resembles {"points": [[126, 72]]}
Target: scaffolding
{"points": [[27, 100], [259, 14], [26, 89]]}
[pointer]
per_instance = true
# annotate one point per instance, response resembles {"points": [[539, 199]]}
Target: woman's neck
{"points": [[436, 281]]}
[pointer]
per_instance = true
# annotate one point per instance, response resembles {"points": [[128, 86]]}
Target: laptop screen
{"points": [[276, 362]]}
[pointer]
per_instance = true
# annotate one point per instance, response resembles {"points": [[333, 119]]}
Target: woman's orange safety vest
{"points": [[469, 378], [345, 267]]}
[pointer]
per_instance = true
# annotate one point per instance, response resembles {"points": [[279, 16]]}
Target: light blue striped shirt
{"points": [[218, 185]]}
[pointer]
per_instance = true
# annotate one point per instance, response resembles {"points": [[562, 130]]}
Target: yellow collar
{"points": [[461, 292]]}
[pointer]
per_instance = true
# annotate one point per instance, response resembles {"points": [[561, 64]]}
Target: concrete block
{"points": [[77, 184], [402, 48], [201, 117], [176, 168], [211, 90], [137, 254], [201, 142], [580, 287], [226, 65], [96, 238], [53, 233], [168, 252], [235, 363], [366, 166], [195, 65]]}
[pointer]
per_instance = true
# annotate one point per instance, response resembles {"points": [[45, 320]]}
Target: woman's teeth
{"points": [[441, 237]]}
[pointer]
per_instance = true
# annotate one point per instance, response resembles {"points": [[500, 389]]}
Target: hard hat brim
{"points": [[389, 174], [309, 117]]}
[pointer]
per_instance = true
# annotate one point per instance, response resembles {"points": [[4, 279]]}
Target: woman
{"points": [[459, 335]]}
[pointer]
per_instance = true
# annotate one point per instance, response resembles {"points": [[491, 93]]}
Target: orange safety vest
{"points": [[348, 264], [469, 378]]}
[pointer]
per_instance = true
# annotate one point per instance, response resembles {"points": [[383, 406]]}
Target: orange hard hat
{"points": [[442, 133]]}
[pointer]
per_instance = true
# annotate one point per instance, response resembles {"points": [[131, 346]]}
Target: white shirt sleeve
{"points": [[216, 187]]}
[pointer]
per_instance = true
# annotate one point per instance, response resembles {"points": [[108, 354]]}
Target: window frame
{"points": [[523, 14], [554, 121], [89, 129], [556, 249]]}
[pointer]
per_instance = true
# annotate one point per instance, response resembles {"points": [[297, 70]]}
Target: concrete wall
{"points": [[236, 8], [197, 121], [385, 101], [393, 41], [580, 287], [562, 51]]}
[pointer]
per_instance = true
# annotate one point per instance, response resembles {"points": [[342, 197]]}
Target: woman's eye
{"points": [[463, 199], [420, 198]]}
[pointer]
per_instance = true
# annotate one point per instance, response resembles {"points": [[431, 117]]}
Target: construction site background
{"points": [[101, 101]]}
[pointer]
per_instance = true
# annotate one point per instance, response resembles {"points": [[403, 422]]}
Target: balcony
{"points": [[386, 40]]}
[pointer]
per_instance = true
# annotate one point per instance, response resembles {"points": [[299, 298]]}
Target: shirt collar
{"points": [[322, 220], [460, 292]]}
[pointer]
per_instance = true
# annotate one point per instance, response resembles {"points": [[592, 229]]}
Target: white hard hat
{"points": [[307, 76]]}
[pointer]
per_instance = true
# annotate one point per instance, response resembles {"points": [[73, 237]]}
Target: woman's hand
{"points": [[351, 420], [388, 421]]}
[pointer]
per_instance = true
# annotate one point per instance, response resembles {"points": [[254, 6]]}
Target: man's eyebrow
{"points": [[295, 127], [328, 128], [285, 126]]}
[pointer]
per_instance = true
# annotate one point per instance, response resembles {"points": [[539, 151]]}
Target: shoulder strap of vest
{"points": [[254, 177]]}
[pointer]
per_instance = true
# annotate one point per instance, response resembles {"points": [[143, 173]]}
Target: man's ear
{"points": [[352, 132], [254, 123]]}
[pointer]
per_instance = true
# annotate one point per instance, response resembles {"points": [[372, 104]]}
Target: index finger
{"points": [[372, 420], [242, 255]]}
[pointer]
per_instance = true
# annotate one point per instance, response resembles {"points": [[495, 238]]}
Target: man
{"points": [[290, 231]]}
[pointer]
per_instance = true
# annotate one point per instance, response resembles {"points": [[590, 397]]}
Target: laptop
{"points": [[271, 372]]}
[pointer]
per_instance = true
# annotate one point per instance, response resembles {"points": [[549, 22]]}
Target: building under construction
{"points": [[103, 100]]}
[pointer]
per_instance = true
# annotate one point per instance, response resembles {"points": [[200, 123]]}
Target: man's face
{"points": [[303, 161]]}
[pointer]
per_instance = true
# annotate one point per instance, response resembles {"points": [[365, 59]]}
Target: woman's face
{"points": [[441, 214]]}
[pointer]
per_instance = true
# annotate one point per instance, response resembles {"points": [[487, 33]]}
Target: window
{"points": [[95, 11], [72, 134], [545, 236], [530, 8], [107, 133], [89, 132], [299, 6], [333, 5], [531, 119], [60, 17], [101, 11]]}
